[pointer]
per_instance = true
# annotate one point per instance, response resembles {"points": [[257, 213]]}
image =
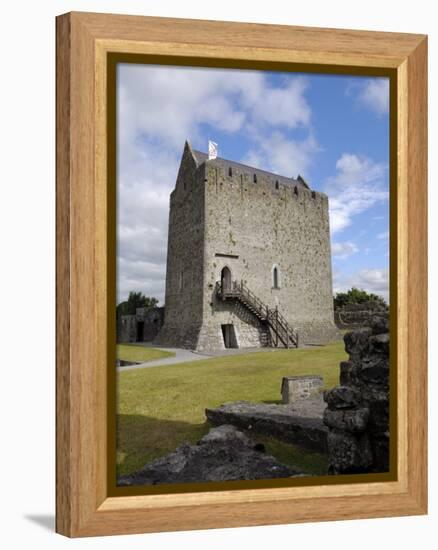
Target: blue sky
{"points": [[333, 130]]}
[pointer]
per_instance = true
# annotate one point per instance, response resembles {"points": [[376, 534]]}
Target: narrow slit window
{"points": [[275, 278]]}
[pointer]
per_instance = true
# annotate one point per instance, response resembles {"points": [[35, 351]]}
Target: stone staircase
{"points": [[282, 332]]}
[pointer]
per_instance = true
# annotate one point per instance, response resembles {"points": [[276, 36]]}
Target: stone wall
{"points": [[353, 316], [127, 329], [152, 318], [254, 227], [141, 327], [357, 412], [185, 257]]}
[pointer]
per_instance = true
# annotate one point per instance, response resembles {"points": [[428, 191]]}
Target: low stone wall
{"points": [[357, 413], [353, 316], [296, 388], [300, 424]]}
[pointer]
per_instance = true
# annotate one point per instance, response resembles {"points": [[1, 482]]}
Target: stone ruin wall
{"points": [[126, 329], [357, 412], [152, 319], [353, 316]]}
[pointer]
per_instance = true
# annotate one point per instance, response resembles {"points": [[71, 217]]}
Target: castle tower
{"points": [[245, 246]]}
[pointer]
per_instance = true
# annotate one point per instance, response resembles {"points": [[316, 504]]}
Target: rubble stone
{"points": [[224, 454], [357, 413]]}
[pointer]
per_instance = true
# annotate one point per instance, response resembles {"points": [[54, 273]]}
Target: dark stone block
{"points": [[356, 342], [374, 370], [379, 344], [379, 415], [381, 454], [352, 421], [348, 453], [379, 324], [345, 375], [342, 397]]}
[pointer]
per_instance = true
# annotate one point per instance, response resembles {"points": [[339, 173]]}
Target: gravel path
{"points": [[186, 355]]}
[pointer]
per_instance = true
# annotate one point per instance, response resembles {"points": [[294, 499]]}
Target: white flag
{"points": [[212, 150]]}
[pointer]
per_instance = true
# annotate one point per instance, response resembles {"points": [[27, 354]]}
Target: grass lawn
{"points": [[131, 352], [159, 408]]}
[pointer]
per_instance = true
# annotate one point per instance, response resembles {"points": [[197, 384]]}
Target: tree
{"points": [[135, 300], [357, 296]]}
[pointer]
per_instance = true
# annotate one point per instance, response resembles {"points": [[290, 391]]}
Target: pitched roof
{"points": [[200, 158]]}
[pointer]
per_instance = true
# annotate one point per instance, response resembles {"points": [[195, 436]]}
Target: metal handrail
{"points": [[275, 319]]}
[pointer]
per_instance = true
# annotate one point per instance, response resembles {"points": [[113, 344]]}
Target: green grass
{"points": [[159, 408], [131, 352]]}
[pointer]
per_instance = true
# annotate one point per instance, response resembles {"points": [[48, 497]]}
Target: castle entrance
{"points": [[229, 336], [140, 331]]}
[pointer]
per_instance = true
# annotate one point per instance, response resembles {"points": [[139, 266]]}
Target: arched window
{"points": [[226, 278], [255, 178], [275, 278], [277, 185], [230, 171]]}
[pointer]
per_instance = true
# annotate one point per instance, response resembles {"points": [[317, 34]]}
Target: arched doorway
{"points": [[226, 278]]}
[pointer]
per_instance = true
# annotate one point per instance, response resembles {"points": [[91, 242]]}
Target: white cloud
{"points": [[372, 93], [375, 95], [158, 109], [170, 103], [343, 250], [284, 106], [371, 280], [358, 185], [384, 235], [281, 155], [374, 279]]}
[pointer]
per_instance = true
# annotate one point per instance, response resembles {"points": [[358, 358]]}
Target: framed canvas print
{"points": [[241, 274]]}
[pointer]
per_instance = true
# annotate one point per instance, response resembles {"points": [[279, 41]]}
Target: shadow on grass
{"points": [[141, 439]]}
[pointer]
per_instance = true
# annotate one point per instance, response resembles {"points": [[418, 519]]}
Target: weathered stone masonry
{"points": [[266, 230], [141, 327], [357, 412]]}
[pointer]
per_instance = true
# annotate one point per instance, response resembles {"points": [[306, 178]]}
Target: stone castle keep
{"points": [[248, 259]]}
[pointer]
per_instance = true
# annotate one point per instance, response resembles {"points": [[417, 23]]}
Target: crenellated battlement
{"points": [[240, 179], [250, 180]]}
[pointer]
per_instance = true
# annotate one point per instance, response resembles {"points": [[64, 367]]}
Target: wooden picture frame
{"points": [[85, 43]]}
